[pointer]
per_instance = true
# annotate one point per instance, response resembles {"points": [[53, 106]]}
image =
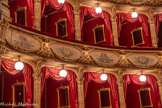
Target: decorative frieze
{"points": [[142, 60], [105, 58], [136, 2]]}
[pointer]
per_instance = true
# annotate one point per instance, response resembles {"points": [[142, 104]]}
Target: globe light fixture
{"points": [[61, 1], [103, 77], [19, 65], [63, 72], [134, 14], [98, 10], [142, 78]]}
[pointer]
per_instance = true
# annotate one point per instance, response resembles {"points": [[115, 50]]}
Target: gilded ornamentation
{"points": [[123, 62], [136, 2], [45, 50], [86, 58]]}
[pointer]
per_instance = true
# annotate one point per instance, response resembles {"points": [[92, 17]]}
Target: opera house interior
{"points": [[80, 53]]}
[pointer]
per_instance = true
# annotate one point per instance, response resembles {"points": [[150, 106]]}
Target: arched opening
{"points": [[58, 20], [95, 87], [16, 86], [133, 32], [95, 28], [22, 12], [58, 91]]}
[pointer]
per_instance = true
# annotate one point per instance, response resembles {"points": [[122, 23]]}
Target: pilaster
{"points": [[159, 82], [37, 84], [121, 89], [4, 24], [37, 14], [80, 87], [77, 20], [152, 28], [114, 26]]}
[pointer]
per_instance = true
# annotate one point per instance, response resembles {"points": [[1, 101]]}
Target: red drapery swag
{"points": [[30, 4], [54, 74], [8, 65], [158, 19], [65, 7], [150, 80], [90, 76], [121, 17], [104, 15]]}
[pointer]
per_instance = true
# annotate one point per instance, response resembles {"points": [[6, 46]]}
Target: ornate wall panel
{"points": [[22, 42], [66, 52], [142, 60], [104, 58], [137, 2]]}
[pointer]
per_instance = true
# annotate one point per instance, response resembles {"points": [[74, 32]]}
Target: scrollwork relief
{"points": [[136, 2], [123, 62], [45, 50], [86, 58]]}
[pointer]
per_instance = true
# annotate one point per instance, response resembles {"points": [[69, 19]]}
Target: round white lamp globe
{"points": [[61, 1], [134, 14], [103, 77], [142, 78], [19, 66], [63, 73], [98, 10]]}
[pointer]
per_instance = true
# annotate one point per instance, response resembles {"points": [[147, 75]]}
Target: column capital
{"points": [[159, 77], [151, 14], [113, 12], [37, 69], [37, 1], [120, 76], [81, 71]]}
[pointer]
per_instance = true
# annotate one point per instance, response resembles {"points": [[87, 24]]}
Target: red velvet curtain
{"points": [[54, 74], [90, 76], [104, 15], [158, 19], [150, 80], [65, 7], [121, 17], [30, 4], [8, 65]]}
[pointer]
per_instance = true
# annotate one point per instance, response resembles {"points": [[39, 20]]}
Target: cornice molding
{"points": [[136, 2]]}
